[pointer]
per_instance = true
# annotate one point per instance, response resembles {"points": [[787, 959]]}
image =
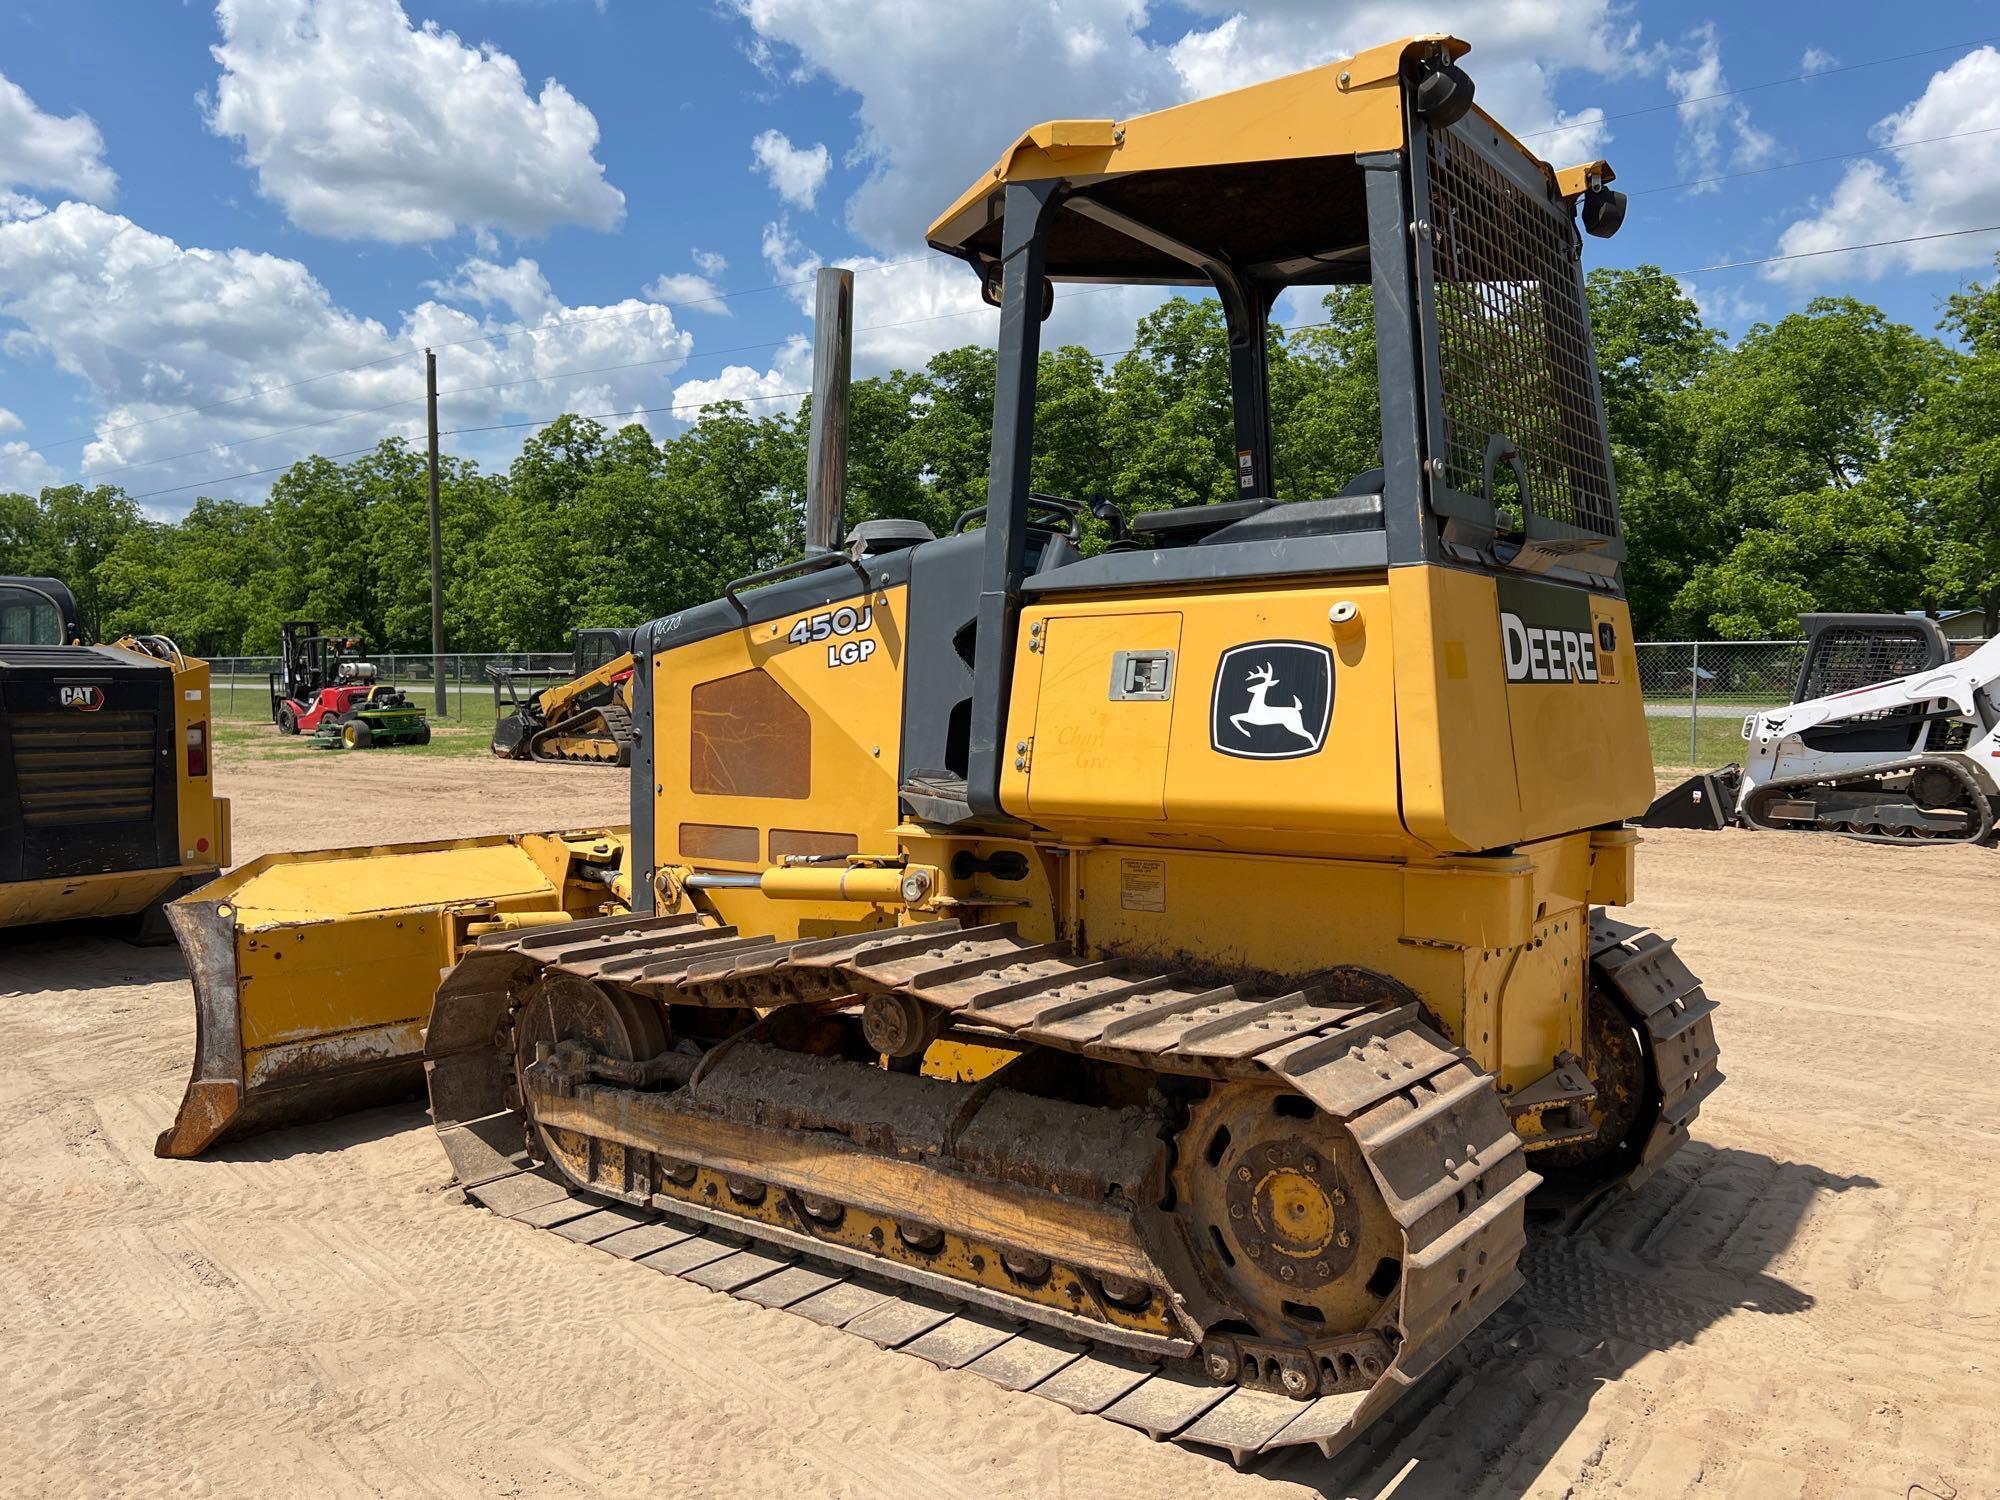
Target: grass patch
{"points": [[260, 739], [1717, 742]]}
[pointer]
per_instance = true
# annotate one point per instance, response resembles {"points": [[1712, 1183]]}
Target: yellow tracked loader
{"points": [[1159, 979], [107, 800], [586, 719]]}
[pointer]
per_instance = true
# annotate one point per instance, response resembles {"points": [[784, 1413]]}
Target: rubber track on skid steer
{"points": [[1666, 1002], [564, 741], [1432, 1130]]}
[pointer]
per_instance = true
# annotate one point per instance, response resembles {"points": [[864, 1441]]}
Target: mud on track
{"points": [[1806, 1303]]}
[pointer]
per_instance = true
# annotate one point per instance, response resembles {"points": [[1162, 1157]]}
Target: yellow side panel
{"points": [[1099, 764], [27, 902], [1581, 751], [849, 683], [1346, 788], [1094, 755], [204, 817], [331, 890], [1451, 710]]}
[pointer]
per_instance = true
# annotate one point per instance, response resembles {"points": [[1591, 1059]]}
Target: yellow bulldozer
{"points": [[107, 802], [1159, 979]]}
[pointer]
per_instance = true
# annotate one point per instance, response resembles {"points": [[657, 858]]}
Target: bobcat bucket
{"points": [[1705, 800], [313, 973]]}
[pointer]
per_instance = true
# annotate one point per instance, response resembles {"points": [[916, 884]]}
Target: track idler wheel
{"points": [[563, 1007], [1293, 1236], [1616, 1063]]}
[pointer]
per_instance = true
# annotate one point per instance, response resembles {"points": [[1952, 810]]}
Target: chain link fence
{"points": [[476, 684], [1698, 693]]}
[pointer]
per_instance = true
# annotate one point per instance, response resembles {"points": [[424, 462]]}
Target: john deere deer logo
{"points": [[1284, 715], [1272, 700]]}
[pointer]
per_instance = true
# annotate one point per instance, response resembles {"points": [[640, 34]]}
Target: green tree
{"points": [[1793, 430]]}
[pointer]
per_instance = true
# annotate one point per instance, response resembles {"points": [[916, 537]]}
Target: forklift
{"points": [[324, 688]]}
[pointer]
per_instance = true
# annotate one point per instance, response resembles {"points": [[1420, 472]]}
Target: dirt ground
{"points": [[1806, 1304]]}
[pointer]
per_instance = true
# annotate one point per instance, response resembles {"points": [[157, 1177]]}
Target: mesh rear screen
{"points": [[1514, 348], [1844, 660]]}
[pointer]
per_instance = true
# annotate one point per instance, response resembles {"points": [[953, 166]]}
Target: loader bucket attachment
{"points": [[1706, 800], [313, 973]]}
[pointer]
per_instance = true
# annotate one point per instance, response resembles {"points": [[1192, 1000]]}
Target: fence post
{"points": [[1694, 706]]}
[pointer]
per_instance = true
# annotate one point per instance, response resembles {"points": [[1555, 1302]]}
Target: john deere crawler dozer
{"points": [[1157, 979]]}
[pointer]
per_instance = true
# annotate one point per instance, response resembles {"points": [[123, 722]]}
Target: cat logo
{"points": [[85, 699], [1272, 700]]}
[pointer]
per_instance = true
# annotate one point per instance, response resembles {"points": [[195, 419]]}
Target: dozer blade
{"points": [[313, 972]]}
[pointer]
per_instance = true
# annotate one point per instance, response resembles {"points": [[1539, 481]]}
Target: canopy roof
{"points": [[1264, 178]]}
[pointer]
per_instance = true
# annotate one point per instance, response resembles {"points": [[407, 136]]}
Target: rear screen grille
{"points": [[77, 768], [1514, 350], [1843, 660]]}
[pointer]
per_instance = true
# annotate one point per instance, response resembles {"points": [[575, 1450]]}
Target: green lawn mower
{"points": [[385, 717]]}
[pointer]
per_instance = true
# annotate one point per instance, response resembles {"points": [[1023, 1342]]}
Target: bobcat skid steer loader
{"points": [[1886, 740]]}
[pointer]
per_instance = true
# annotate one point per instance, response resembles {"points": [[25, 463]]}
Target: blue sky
{"points": [[199, 203]]}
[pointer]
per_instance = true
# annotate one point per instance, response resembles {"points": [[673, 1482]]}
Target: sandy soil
{"points": [[1806, 1304]]}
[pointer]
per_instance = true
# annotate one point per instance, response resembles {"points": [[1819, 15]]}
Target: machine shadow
{"points": [[320, 1137], [1645, 1272], [86, 955]]}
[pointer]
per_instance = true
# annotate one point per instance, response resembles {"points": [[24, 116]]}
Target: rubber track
{"points": [[616, 733]]}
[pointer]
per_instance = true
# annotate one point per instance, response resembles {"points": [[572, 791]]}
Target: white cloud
{"points": [[1931, 189], [795, 173], [1728, 308], [1817, 60], [789, 260], [1715, 133], [23, 471], [690, 291], [920, 73], [709, 262], [155, 328], [8, 421], [63, 154], [764, 393], [362, 126], [521, 288]]}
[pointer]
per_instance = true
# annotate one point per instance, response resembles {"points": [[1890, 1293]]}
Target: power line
{"points": [[1769, 260], [1814, 161], [1751, 88]]}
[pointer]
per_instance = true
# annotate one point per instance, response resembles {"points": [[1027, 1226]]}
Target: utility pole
{"points": [[826, 451], [437, 537]]}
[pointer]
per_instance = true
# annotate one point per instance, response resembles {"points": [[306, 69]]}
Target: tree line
{"points": [[1831, 460]]}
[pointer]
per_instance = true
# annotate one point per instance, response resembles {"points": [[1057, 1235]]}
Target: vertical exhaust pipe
{"points": [[833, 369]]}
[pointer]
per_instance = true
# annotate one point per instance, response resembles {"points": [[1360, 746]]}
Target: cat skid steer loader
{"points": [[1158, 979], [587, 719], [1887, 740]]}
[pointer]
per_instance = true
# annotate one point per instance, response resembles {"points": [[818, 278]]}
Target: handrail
{"points": [[812, 562], [1070, 508]]}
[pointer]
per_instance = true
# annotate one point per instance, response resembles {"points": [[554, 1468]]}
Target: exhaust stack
{"points": [[833, 368]]}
